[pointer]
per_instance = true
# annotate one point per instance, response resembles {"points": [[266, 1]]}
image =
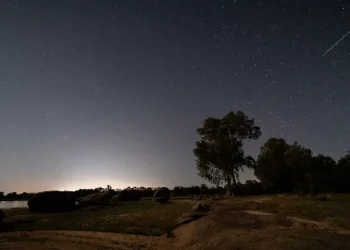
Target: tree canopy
{"points": [[219, 152], [282, 167]]}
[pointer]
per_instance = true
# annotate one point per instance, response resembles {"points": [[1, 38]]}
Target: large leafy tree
{"points": [[342, 174], [271, 167], [284, 168], [219, 152], [322, 174], [299, 162]]}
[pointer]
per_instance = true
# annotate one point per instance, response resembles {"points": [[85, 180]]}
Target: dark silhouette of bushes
{"points": [[52, 201], [291, 168], [162, 192], [128, 194]]}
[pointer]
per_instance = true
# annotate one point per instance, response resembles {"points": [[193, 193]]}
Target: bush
{"points": [[52, 201], [2, 215], [163, 192], [128, 195]]}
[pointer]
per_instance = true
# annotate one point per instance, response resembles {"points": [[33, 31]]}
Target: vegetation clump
{"points": [[219, 152], [162, 192], [128, 194], [52, 201]]}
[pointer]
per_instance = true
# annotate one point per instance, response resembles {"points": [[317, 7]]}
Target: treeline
{"points": [[292, 168], [249, 188], [280, 167], [14, 196]]}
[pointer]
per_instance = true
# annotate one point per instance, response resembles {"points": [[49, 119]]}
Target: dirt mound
{"points": [[201, 207]]}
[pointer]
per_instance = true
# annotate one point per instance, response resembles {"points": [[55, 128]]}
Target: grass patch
{"points": [[143, 217]]}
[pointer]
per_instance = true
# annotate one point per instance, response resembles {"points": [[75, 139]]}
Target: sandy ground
{"points": [[224, 227], [67, 240]]}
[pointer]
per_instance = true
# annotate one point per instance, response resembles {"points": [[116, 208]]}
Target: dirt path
{"points": [[67, 240]]}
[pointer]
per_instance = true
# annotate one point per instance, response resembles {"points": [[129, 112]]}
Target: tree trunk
{"points": [[229, 187], [229, 190]]}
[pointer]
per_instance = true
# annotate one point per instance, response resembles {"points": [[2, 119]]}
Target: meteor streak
{"points": [[336, 43]]}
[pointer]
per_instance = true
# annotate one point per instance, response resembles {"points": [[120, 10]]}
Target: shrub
{"points": [[128, 195], [163, 192], [52, 201]]}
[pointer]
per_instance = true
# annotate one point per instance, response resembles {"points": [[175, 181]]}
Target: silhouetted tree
{"points": [[322, 177], [284, 168], [220, 154], [14, 194], [271, 167], [299, 161], [250, 187], [342, 174], [204, 189]]}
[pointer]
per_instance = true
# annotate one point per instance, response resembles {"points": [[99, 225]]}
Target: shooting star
{"points": [[336, 43]]}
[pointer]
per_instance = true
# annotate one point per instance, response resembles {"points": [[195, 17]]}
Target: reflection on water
{"points": [[12, 204]]}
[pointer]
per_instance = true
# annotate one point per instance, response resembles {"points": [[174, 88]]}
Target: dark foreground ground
{"points": [[142, 217], [267, 222]]}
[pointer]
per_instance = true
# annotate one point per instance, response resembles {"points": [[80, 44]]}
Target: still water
{"points": [[13, 204]]}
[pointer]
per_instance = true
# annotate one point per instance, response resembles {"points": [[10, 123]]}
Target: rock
{"points": [[322, 197], [52, 201], [2, 215], [160, 200], [94, 208], [103, 198], [187, 218], [162, 192], [201, 207], [115, 199], [127, 195]]}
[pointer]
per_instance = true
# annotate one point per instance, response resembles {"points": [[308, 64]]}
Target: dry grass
{"points": [[143, 217], [267, 222], [334, 209]]}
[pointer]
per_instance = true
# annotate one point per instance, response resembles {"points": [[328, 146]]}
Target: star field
{"points": [[111, 92]]}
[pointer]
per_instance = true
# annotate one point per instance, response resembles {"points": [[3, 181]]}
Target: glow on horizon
{"points": [[93, 183]]}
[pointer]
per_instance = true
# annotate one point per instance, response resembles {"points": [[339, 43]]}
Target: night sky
{"points": [[111, 92]]}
